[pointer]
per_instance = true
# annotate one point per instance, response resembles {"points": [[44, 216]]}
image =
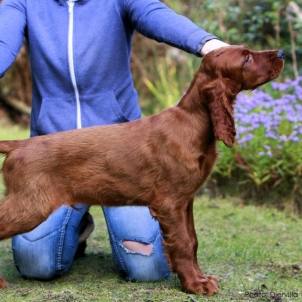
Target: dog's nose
{"points": [[280, 54]]}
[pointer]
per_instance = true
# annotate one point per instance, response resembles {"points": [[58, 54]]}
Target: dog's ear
{"points": [[220, 103]]}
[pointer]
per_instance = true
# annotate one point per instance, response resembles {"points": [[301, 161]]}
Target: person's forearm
{"points": [[156, 21], [12, 24]]}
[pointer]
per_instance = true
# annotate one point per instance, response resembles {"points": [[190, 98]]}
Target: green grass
{"points": [[252, 250], [249, 249]]}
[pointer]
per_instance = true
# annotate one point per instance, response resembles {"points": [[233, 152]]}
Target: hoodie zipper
{"points": [[71, 63]]}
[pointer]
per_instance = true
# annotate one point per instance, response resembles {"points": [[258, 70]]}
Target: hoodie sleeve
{"points": [[155, 20], [12, 26]]}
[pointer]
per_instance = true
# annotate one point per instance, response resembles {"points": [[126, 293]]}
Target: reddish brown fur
{"points": [[159, 161], [2, 283]]}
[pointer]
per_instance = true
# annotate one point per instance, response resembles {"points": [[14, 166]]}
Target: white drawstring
{"points": [[71, 63]]}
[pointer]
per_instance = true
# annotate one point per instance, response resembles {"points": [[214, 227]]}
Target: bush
{"points": [[266, 159]]}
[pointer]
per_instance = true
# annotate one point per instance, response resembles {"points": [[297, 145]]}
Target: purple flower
{"points": [[245, 139], [267, 120]]}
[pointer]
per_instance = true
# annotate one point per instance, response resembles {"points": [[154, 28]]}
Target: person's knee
{"points": [[138, 247], [38, 268], [145, 263], [40, 271], [34, 262]]}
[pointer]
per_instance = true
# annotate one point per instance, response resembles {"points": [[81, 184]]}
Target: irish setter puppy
{"points": [[158, 161]]}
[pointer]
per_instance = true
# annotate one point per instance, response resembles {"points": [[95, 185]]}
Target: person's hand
{"points": [[211, 45]]}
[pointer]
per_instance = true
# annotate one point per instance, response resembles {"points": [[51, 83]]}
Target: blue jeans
{"points": [[48, 250]]}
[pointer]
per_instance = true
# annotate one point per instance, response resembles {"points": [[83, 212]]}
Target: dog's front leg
{"points": [[176, 222], [212, 284]]}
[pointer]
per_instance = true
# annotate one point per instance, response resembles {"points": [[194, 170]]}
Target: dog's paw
{"points": [[210, 286], [204, 285]]}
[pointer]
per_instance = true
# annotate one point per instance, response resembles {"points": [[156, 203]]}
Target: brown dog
{"points": [[159, 161]]}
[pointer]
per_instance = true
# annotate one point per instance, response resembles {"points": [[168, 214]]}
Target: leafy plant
{"points": [[170, 85], [267, 155]]}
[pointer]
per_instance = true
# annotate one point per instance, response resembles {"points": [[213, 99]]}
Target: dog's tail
{"points": [[5, 148], [2, 283], [8, 146]]}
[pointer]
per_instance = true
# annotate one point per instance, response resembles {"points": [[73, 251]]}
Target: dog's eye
{"points": [[248, 58]]}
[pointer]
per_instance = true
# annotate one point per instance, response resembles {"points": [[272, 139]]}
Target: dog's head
{"points": [[232, 69]]}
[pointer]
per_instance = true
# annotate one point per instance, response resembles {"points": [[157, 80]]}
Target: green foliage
{"points": [[11, 133], [168, 88], [257, 24], [266, 159]]}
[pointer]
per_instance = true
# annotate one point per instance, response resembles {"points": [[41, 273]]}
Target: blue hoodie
{"points": [[80, 55]]}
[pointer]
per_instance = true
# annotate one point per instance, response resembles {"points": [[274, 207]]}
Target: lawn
{"points": [[255, 252]]}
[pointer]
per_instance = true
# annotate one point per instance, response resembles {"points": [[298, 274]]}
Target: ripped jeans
{"points": [[48, 250]]}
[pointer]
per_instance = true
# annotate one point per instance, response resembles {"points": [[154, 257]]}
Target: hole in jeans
{"points": [[138, 247]]}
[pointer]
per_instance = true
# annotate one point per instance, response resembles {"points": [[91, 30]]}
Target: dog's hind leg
{"points": [[22, 214], [18, 217]]}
